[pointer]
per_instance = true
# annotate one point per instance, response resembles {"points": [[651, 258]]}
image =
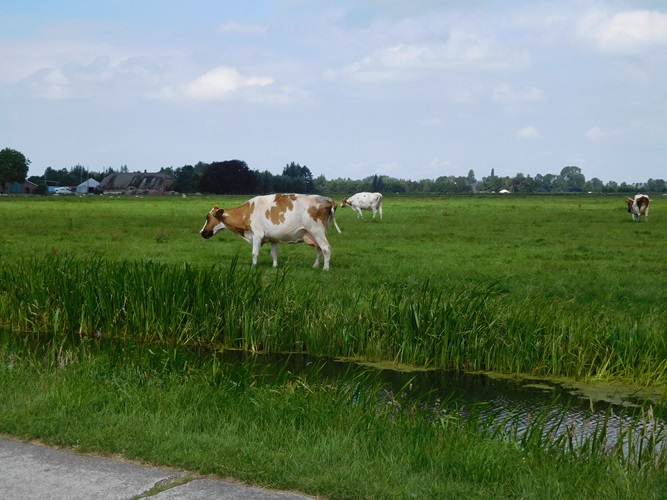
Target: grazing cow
{"points": [[278, 218], [364, 201], [638, 207]]}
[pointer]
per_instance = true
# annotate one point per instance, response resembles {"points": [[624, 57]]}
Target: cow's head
{"points": [[344, 203], [213, 223], [631, 202]]}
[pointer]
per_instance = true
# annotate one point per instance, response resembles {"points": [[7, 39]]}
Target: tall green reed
{"points": [[467, 327]]}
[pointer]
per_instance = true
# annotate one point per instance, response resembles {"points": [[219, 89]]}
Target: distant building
{"points": [[88, 186], [25, 187], [136, 183]]}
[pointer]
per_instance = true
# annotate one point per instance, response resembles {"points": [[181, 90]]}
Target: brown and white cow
{"points": [[638, 207], [364, 201], [278, 218]]}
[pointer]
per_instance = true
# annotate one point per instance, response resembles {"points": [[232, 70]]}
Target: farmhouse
{"points": [[25, 187], [136, 183]]}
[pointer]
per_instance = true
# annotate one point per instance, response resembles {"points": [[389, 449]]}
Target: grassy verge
{"points": [[286, 431]]}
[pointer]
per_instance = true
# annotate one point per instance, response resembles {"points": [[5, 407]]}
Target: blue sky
{"points": [[350, 88]]}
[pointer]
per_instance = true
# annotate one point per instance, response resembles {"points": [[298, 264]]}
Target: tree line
{"points": [[235, 177]]}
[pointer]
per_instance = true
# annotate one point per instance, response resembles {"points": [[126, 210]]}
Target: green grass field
{"points": [[563, 286], [99, 298], [583, 249]]}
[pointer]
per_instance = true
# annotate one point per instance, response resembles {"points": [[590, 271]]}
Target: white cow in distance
{"points": [[278, 218], [364, 201]]}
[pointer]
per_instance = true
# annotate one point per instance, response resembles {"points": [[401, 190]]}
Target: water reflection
{"points": [[512, 406]]}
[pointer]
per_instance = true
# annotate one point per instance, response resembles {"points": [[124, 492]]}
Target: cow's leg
{"points": [[326, 251], [274, 254], [256, 245], [359, 214], [323, 248], [318, 255], [374, 211]]}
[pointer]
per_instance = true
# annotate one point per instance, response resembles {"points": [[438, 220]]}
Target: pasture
{"points": [[559, 286], [113, 311]]}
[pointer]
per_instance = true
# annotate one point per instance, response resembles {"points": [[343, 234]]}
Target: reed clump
{"points": [[468, 327]]}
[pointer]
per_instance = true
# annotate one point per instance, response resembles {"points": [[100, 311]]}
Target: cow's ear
{"points": [[218, 213]]}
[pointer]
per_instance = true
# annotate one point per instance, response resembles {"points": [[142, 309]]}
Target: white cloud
{"points": [[626, 32], [63, 74], [50, 84], [219, 83], [410, 61], [71, 80], [528, 132], [222, 81]]}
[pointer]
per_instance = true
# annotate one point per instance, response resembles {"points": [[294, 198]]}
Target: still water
{"points": [[513, 405]]}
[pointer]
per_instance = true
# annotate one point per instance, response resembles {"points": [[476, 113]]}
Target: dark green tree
{"points": [[296, 171], [471, 178], [228, 177], [493, 183], [523, 184], [544, 183], [265, 182], [64, 177], [377, 184], [595, 185], [13, 167], [186, 179], [321, 185], [573, 179], [624, 187], [289, 184], [611, 187], [656, 186]]}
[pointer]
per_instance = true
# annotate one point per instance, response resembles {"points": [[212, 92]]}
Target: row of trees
{"points": [[235, 177]]}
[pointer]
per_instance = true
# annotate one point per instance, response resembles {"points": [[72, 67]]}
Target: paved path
{"points": [[34, 472]]}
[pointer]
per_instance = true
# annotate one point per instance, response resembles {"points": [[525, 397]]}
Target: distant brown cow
{"points": [[638, 207], [278, 218]]}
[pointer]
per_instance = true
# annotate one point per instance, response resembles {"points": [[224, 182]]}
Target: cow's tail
{"points": [[333, 215]]}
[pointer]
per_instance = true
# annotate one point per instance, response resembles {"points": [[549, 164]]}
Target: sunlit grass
{"points": [[541, 285], [479, 327], [339, 436], [99, 296]]}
